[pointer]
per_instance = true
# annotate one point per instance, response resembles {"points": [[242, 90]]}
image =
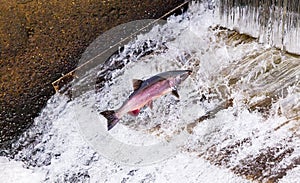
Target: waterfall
{"points": [[274, 22], [237, 119]]}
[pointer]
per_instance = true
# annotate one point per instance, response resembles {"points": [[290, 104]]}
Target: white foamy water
{"points": [[72, 147]]}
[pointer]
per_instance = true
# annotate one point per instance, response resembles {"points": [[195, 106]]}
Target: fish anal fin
{"points": [[134, 112], [136, 83], [175, 93], [150, 104]]}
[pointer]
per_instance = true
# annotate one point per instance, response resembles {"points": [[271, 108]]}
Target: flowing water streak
{"points": [[266, 82], [274, 22]]}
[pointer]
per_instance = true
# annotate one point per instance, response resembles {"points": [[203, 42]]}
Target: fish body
{"points": [[145, 91]]}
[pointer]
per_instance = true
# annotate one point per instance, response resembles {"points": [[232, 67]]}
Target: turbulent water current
{"points": [[237, 119]]}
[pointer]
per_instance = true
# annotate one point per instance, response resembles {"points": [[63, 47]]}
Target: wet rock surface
{"points": [[41, 40]]}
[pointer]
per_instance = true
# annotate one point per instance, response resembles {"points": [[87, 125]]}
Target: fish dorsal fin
{"points": [[136, 83], [175, 93]]}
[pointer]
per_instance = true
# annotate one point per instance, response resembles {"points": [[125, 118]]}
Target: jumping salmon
{"points": [[145, 91]]}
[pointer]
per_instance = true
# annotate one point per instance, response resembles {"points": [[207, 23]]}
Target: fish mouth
{"points": [[189, 72], [185, 74]]}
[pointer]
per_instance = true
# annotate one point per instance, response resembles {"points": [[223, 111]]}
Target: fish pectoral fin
{"points": [[150, 104], [136, 83], [175, 93], [134, 112]]}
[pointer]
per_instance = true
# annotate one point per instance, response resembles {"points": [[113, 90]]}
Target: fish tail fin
{"points": [[111, 117]]}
